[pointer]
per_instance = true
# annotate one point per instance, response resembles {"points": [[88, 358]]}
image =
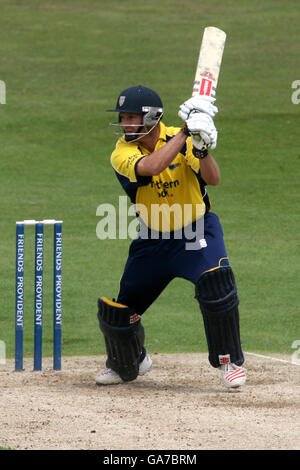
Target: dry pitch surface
{"points": [[180, 405]]}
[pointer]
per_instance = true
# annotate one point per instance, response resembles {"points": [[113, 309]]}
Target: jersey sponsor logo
{"points": [[164, 187]]}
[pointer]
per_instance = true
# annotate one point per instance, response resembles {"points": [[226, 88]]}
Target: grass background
{"points": [[64, 63]]}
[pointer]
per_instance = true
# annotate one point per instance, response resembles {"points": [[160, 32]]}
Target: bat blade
{"points": [[209, 62]]}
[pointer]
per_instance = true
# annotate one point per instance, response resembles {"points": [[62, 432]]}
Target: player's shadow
{"points": [[177, 388]]}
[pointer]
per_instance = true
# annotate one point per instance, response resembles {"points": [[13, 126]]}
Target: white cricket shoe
{"points": [[109, 376], [233, 376]]}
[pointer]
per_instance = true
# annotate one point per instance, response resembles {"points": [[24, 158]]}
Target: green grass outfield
{"points": [[64, 63]]}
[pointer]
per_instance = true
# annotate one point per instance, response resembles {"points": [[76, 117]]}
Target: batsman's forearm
{"points": [[159, 160], [210, 171]]}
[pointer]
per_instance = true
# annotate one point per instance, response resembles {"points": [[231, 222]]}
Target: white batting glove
{"points": [[203, 130], [202, 104]]}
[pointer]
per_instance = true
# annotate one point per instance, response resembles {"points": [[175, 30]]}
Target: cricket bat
{"points": [[209, 64]]}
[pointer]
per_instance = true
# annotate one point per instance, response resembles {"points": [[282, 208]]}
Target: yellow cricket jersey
{"points": [[168, 201]]}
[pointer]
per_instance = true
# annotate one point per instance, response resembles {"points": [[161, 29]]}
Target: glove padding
{"points": [[203, 131], [202, 104]]}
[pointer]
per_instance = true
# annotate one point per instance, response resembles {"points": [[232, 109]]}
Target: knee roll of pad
{"points": [[124, 337], [216, 293]]}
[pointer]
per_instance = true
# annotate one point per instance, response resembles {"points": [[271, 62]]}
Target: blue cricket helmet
{"points": [[139, 100], [134, 99]]}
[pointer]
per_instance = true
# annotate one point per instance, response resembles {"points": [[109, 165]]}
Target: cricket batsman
{"points": [[165, 172]]}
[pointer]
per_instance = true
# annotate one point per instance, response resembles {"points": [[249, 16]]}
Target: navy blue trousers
{"points": [[152, 264]]}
